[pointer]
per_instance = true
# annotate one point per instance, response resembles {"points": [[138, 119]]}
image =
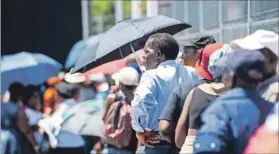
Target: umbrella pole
{"points": [[133, 50]]}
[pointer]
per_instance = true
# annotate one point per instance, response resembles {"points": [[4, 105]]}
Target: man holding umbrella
{"points": [[156, 84]]}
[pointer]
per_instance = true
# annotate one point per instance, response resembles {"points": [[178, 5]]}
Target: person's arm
{"points": [[182, 125], [109, 101], [215, 135], [143, 102], [169, 116], [22, 122]]}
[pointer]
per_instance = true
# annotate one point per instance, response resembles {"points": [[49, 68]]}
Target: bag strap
{"points": [[264, 107], [116, 113]]}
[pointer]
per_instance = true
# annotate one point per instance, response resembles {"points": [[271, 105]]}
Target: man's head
{"points": [[159, 48], [16, 90], [32, 97], [242, 68], [267, 43], [192, 46]]}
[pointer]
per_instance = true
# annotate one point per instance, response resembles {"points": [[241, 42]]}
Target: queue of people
{"points": [[195, 96]]}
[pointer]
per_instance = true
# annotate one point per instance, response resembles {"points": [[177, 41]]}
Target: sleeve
{"points": [[143, 102], [171, 111], [215, 134]]}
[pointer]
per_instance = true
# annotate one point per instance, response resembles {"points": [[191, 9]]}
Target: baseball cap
{"points": [[258, 40], [244, 64], [127, 76], [197, 43], [203, 62]]}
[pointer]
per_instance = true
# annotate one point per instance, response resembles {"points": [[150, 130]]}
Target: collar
{"points": [[268, 81], [168, 62]]}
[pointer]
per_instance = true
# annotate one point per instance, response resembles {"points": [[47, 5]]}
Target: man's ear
{"points": [[159, 54]]}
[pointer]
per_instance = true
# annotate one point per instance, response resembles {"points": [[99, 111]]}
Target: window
{"points": [[264, 9], [210, 14], [233, 33], [193, 13], [266, 26], [234, 10], [165, 8], [179, 10]]}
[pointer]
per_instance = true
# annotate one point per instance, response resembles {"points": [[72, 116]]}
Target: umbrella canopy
{"points": [[85, 118], [89, 52], [85, 124], [75, 52], [108, 68], [115, 43], [27, 68], [89, 44]]}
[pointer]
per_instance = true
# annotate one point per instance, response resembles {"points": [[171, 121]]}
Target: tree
{"points": [[102, 7]]}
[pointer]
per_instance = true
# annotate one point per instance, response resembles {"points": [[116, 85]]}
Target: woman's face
{"points": [[35, 101]]}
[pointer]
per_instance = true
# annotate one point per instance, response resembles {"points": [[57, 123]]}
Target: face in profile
{"points": [[150, 55], [227, 79], [189, 56], [35, 101]]}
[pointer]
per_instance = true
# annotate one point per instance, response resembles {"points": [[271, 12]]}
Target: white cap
{"points": [[74, 78], [258, 40], [127, 76]]}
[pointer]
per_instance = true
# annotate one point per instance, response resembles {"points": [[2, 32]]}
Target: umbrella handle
{"points": [[133, 50]]}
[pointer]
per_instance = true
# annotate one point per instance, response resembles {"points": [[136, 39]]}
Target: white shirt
{"points": [[154, 89], [63, 107], [33, 116]]}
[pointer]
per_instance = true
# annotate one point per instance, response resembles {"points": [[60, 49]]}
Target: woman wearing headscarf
{"points": [[200, 97]]}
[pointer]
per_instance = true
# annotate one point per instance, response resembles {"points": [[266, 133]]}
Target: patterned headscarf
{"points": [[215, 70]]}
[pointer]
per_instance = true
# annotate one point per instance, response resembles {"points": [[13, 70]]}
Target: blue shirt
{"points": [[153, 91], [230, 121]]}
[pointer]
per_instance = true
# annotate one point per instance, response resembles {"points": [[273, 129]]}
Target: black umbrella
{"points": [[117, 42], [89, 51]]}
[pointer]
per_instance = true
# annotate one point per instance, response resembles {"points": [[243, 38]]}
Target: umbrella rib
{"points": [[136, 27], [121, 53]]}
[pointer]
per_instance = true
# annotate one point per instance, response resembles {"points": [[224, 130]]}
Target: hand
{"points": [[36, 149], [148, 137]]}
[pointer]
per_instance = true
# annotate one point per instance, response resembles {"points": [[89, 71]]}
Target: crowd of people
{"points": [[186, 96]]}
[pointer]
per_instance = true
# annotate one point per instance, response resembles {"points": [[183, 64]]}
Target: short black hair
{"points": [[166, 44], [16, 90], [269, 55], [29, 92]]}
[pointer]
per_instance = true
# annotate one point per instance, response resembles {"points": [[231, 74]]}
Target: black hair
{"points": [[166, 44], [28, 93], [16, 90], [269, 55]]}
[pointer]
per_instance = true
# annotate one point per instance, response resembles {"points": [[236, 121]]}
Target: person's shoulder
{"points": [[229, 96], [234, 92], [190, 71]]}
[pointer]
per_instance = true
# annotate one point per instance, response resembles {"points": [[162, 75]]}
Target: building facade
{"points": [[225, 20]]}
